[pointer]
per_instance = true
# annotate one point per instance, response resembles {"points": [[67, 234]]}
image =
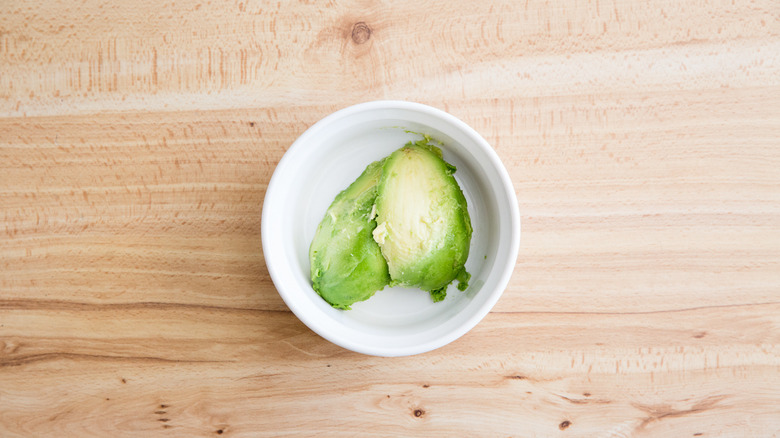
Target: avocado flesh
{"points": [[346, 263], [423, 225]]}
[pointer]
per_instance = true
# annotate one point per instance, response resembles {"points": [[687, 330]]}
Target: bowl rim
{"points": [[272, 193]]}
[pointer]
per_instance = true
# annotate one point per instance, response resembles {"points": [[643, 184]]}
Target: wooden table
{"points": [[136, 144]]}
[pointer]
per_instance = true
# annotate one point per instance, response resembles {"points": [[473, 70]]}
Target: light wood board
{"points": [[137, 140]]}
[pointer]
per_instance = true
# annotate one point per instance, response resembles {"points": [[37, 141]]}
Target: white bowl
{"points": [[331, 154]]}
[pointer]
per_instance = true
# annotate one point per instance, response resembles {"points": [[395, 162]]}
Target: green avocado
{"points": [[346, 263], [423, 225]]}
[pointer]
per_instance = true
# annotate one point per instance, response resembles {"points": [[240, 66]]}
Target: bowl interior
{"points": [[324, 161]]}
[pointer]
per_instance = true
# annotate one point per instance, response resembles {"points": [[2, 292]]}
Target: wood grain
{"points": [[137, 141]]}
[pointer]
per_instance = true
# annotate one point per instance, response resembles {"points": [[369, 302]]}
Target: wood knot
{"points": [[517, 377], [9, 346], [361, 33], [419, 413], [564, 424]]}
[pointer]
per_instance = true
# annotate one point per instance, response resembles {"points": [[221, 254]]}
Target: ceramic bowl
{"points": [[331, 154]]}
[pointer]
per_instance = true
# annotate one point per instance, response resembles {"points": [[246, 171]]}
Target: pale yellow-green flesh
{"points": [[410, 228], [423, 228]]}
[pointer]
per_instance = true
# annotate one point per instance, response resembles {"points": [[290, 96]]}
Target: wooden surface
{"points": [[136, 144]]}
